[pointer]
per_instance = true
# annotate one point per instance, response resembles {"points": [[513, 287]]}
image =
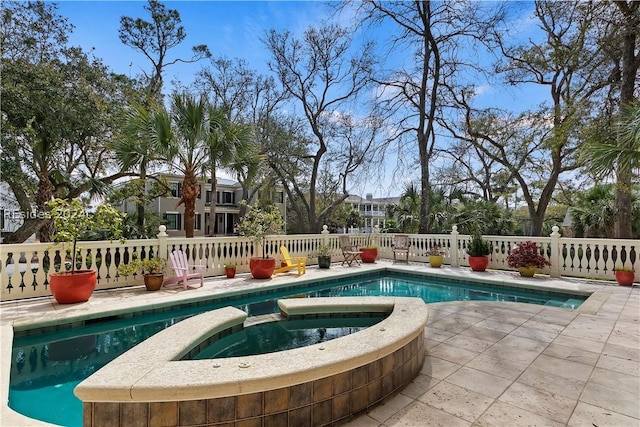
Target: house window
{"points": [[176, 189], [1, 219], [200, 191], [279, 198], [208, 198], [197, 223], [227, 197], [174, 221]]}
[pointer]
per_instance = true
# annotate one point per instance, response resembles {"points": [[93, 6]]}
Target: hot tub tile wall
{"points": [[326, 401]]}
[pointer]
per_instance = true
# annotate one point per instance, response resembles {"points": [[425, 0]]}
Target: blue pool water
{"points": [[47, 366]]}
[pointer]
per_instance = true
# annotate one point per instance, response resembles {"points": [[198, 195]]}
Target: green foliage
{"points": [[72, 221], [153, 265], [623, 268], [230, 265], [526, 254], [478, 246], [258, 221], [323, 250]]}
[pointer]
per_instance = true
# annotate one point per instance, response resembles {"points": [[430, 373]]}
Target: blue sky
{"points": [[233, 29]]}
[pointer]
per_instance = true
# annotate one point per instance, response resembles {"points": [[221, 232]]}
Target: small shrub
{"points": [[526, 254]]}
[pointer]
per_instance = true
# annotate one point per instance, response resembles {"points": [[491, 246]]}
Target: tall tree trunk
{"points": [[190, 191], [630, 66]]}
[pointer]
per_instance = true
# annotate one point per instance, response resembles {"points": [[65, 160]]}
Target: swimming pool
{"points": [[44, 371]]}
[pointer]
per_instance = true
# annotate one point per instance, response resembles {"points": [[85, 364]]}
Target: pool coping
{"points": [[150, 370]]}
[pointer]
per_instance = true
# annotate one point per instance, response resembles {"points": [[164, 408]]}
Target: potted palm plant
{"points": [[72, 221], [152, 270], [478, 251], [526, 257], [256, 223], [624, 275]]}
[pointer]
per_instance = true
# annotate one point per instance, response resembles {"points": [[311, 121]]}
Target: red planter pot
{"points": [[625, 278], [262, 268], [231, 272], [71, 288], [369, 255], [478, 263]]}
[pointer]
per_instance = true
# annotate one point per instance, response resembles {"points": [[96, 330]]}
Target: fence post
{"points": [[325, 234], [453, 253], [163, 250], [554, 257]]}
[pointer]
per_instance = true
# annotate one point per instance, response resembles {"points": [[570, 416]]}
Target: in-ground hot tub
{"points": [[157, 383]]}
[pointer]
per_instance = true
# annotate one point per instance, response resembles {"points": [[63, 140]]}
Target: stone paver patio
{"points": [[487, 364]]}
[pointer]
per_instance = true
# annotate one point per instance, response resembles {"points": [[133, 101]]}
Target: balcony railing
{"points": [[24, 268]]}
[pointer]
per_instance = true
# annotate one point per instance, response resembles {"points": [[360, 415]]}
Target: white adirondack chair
{"points": [[183, 270]]}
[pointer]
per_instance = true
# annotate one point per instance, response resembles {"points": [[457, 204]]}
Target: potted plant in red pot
{"points": [[624, 275], [526, 257], [72, 221], [478, 251], [230, 270], [256, 223]]}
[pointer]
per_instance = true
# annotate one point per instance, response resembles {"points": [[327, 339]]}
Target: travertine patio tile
{"points": [[383, 412], [479, 382], [543, 326], [497, 326], [629, 367], [430, 343], [616, 380], [419, 386], [363, 421], [485, 334], [563, 367], [438, 368], [579, 343], [572, 354], [499, 366], [589, 415], [628, 353], [421, 414], [452, 354], [523, 343], [436, 334], [553, 383], [502, 414], [535, 334], [512, 353], [613, 399], [591, 333], [627, 337], [512, 317], [457, 401], [455, 323], [469, 343], [538, 401]]}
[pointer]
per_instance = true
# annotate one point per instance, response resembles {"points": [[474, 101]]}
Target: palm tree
{"points": [[144, 140], [623, 156], [227, 143], [188, 149]]}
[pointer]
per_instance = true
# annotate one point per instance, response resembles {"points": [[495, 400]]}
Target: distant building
{"points": [[373, 210], [227, 202], [11, 217]]}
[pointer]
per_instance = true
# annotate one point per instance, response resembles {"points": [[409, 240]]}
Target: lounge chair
{"points": [[401, 246], [291, 263], [183, 270], [349, 252]]}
